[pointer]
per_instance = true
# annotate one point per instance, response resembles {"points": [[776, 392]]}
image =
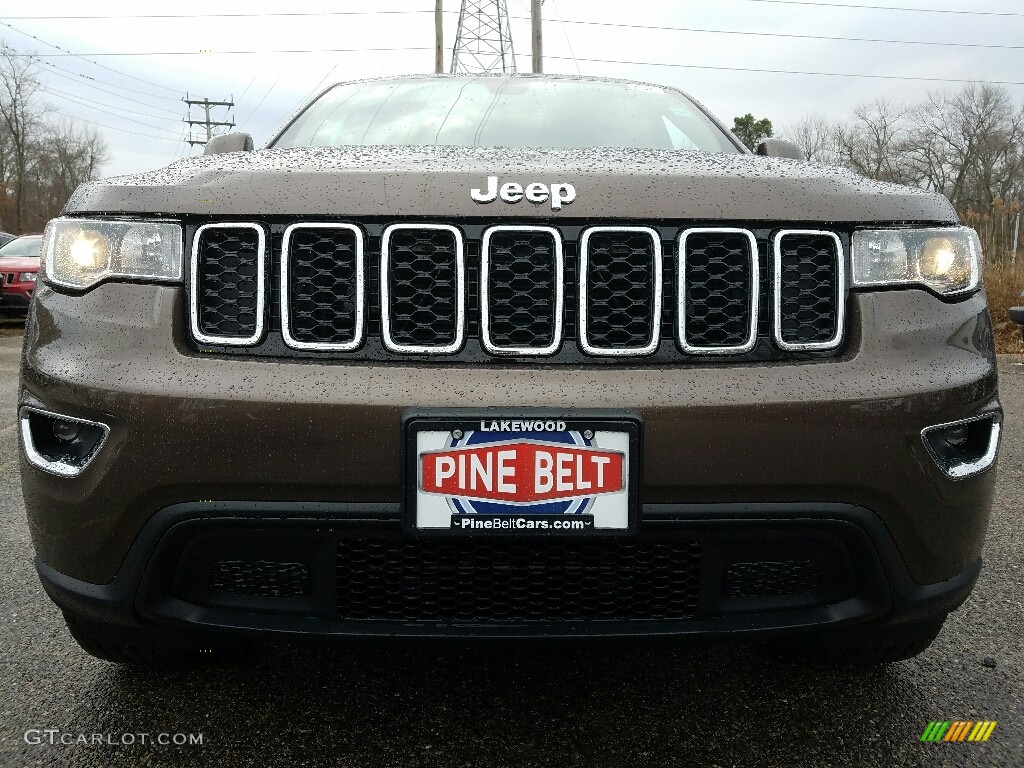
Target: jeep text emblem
{"points": [[536, 193]]}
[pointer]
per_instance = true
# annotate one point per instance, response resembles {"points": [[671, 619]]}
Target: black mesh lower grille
{"points": [[260, 578], [322, 270], [227, 301], [521, 289], [809, 289], [517, 580], [771, 579], [620, 289], [717, 280], [423, 287]]}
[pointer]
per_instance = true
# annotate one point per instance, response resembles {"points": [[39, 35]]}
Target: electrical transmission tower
{"points": [[206, 122], [483, 42]]}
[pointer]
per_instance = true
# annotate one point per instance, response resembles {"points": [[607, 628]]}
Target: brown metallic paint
{"points": [[188, 426]]}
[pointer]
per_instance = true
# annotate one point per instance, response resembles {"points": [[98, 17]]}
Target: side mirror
{"points": [[780, 148], [229, 142]]}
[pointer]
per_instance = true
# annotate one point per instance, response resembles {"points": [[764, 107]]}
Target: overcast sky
{"points": [[267, 87]]}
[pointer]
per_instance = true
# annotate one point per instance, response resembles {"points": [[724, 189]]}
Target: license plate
{"points": [[521, 474]]}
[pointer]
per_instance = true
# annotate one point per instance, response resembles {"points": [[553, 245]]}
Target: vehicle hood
{"points": [[19, 263], [436, 182]]}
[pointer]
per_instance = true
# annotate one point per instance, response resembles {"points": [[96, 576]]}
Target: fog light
{"points": [[66, 431], [964, 448], [956, 436], [59, 444]]}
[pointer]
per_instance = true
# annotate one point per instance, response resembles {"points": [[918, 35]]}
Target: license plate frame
{"points": [[615, 427]]}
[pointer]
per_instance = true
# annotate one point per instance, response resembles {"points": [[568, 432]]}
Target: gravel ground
{"points": [[314, 706]]}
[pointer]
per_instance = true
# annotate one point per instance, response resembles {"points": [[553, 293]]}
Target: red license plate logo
{"points": [[522, 472]]}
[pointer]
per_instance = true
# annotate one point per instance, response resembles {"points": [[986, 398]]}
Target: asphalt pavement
{"points": [[316, 705]]}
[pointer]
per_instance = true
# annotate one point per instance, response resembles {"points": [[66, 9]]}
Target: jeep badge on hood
{"points": [[536, 193]]}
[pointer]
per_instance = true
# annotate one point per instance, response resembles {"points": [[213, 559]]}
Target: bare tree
{"points": [[815, 134], [874, 142], [20, 116]]}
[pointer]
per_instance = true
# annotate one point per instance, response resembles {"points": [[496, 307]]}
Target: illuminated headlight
{"points": [[946, 260], [81, 252], [27, 277]]}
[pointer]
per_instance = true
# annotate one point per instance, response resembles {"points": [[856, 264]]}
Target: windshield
{"points": [[505, 112], [23, 246]]}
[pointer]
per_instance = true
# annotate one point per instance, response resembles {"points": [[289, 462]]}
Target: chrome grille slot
{"points": [[810, 290], [322, 287], [718, 291], [228, 299], [521, 290], [620, 291], [422, 285]]}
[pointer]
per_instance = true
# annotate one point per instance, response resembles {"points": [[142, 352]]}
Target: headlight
{"points": [[27, 277], [83, 252], [946, 260]]}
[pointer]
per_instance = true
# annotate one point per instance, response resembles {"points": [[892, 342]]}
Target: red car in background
{"points": [[19, 266]]}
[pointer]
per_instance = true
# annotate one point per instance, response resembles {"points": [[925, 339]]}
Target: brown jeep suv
{"points": [[507, 357]]}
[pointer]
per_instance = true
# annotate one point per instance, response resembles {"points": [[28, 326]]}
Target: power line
{"points": [[216, 15], [581, 22], [887, 8], [66, 52], [832, 38], [860, 6], [791, 71], [565, 34], [113, 128], [116, 95], [98, 106], [71, 76], [231, 53]]}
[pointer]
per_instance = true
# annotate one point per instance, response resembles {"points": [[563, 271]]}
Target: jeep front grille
{"points": [[422, 285], [522, 290], [322, 286], [573, 294], [620, 291], [809, 290], [227, 284], [719, 285]]}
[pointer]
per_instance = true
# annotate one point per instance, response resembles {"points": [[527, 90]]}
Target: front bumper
{"points": [[187, 426], [767, 569]]}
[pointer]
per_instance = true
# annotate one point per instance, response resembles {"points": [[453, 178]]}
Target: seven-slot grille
{"points": [[567, 293]]}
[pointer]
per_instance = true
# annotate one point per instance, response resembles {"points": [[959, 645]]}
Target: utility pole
{"points": [[483, 42], [438, 37], [537, 24], [1016, 237], [209, 124]]}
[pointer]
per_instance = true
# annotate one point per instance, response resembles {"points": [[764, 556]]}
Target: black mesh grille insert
{"points": [[227, 282], [620, 289], [717, 283], [322, 274], [521, 288], [809, 293], [260, 578], [771, 579], [517, 580], [423, 287]]}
